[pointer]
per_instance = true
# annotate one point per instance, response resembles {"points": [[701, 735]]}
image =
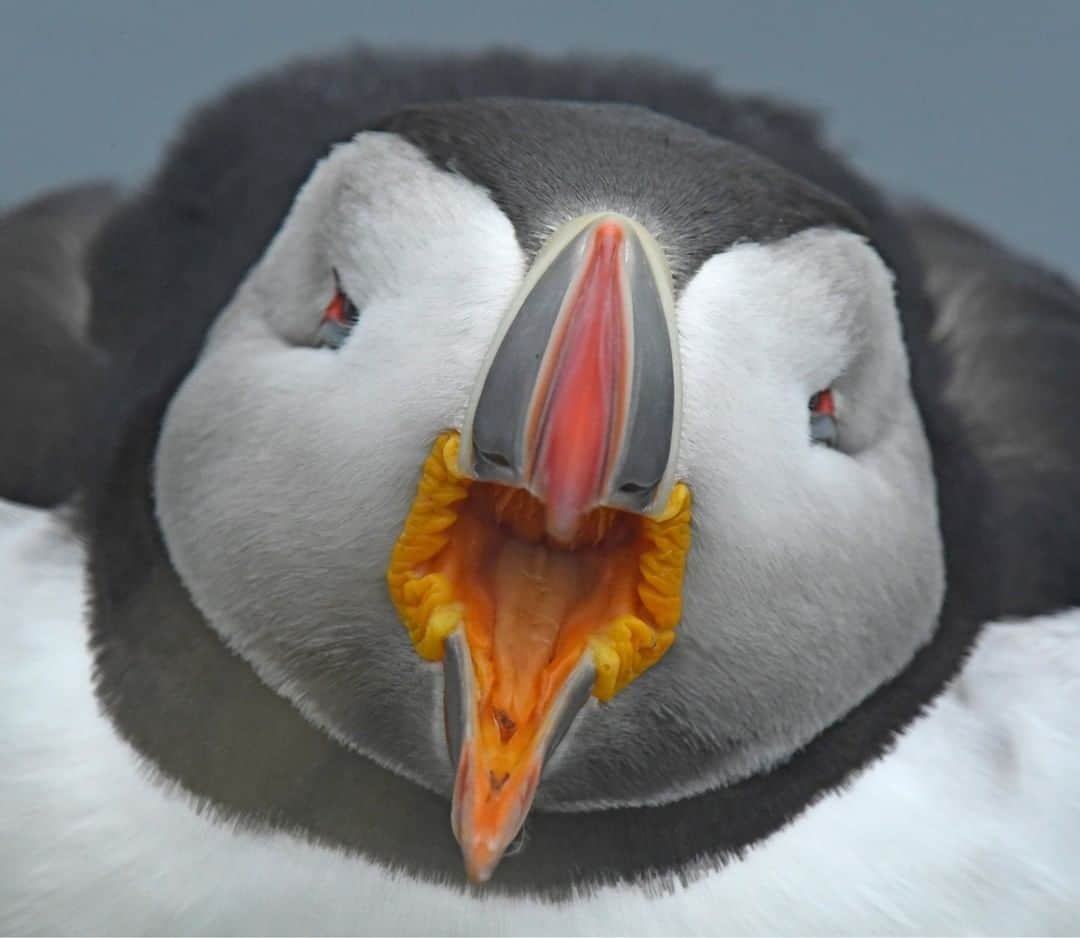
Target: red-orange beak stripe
{"points": [[580, 406]]}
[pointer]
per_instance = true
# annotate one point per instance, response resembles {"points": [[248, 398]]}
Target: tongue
{"points": [[535, 589]]}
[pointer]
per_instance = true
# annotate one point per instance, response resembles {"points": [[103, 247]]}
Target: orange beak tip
{"points": [[487, 818], [480, 862]]}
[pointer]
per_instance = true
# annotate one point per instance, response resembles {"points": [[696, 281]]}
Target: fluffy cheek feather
{"points": [[284, 471]]}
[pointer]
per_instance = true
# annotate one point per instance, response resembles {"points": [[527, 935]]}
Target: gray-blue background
{"points": [[972, 104]]}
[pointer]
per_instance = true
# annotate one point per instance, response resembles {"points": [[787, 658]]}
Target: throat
{"points": [[534, 590], [530, 605]]}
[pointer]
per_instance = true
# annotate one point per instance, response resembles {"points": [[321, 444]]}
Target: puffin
{"points": [[501, 494]]}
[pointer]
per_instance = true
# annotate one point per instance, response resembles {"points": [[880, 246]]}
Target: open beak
{"points": [[543, 557]]}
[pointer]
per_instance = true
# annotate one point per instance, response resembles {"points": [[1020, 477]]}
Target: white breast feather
{"points": [[970, 825]]}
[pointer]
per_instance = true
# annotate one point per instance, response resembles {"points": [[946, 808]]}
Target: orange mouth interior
{"points": [[475, 555]]}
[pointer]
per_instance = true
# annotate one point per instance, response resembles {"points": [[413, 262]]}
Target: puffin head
{"points": [[558, 457]]}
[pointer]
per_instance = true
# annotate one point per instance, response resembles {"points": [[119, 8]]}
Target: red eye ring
{"points": [[339, 317], [337, 310], [823, 403]]}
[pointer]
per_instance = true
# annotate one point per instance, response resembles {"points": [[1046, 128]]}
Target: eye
{"points": [[338, 320], [823, 418]]}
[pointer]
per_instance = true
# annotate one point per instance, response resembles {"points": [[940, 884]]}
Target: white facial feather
{"points": [[274, 449], [284, 473]]}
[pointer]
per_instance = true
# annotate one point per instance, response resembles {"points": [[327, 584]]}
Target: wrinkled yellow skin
{"points": [[622, 649]]}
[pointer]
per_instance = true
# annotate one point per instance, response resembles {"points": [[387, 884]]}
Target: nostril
{"points": [[493, 458]]}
